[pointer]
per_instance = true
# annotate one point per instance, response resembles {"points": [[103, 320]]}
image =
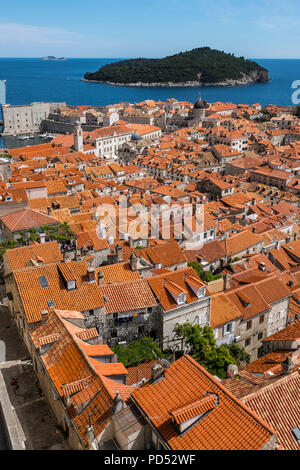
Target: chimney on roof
{"points": [[254, 230], [287, 365], [290, 283], [133, 262], [66, 258], [295, 236], [253, 201], [118, 403], [84, 250], [114, 359], [100, 278], [226, 278], [91, 274], [157, 371], [119, 253], [91, 435], [288, 239], [49, 210], [262, 266], [232, 371], [277, 245], [42, 237]]}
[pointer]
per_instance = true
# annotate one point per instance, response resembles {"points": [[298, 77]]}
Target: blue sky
{"points": [[153, 28]]}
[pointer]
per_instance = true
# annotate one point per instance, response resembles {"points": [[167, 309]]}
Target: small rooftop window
{"points": [[50, 303], [296, 434], [43, 281]]}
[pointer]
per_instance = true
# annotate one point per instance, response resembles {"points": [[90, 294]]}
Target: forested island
{"points": [[199, 67], [52, 57]]}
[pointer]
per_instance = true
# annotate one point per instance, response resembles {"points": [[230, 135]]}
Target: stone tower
{"points": [[78, 137], [199, 109]]}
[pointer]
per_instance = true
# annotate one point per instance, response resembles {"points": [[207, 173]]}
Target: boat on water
{"points": [[23, 137]]}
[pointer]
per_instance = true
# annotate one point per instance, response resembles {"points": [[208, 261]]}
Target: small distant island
{"points": [[199, 67], [51, 57]]}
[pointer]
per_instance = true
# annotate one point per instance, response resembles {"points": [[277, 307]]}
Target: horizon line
{"points": [[144, 57]]}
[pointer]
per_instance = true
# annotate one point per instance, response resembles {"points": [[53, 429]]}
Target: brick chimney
{"points": [[226, 278], [156, 372], [100, 278], [287, 365], [133, 262], [91, 274], [119, 253]]}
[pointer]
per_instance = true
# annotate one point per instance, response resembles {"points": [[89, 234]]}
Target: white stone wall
{"points": [[25, 119], [277, 318], [197, 312]]}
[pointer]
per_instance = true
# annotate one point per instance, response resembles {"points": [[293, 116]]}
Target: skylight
{"points": [[43, 281], [296, 434]]}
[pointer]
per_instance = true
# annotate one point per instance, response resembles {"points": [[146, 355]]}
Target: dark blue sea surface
{"points": [[31, 80]]}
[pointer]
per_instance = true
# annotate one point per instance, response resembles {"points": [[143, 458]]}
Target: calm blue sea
{"points": [[31, 80]]}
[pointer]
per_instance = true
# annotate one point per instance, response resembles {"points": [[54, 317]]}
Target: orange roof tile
{"points": [[229, 425], [26, 218], [48, 252], [127, 296]]}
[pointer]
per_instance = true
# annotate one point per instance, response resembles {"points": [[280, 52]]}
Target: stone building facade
{"points": [[26, 119]]}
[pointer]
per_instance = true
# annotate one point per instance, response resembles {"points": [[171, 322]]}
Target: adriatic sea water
{"points": [[31, 80]]}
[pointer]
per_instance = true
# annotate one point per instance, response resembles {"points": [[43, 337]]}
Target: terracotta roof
{"points": [[290, 333], [194, 409], [279, 405], [56, 186], [161, 286], [167, 254], [240, 242], [222, 310], [142, 371], [248, 301], [229, 425], [34, 297], [119, 272], [269, 363], [72, 374], [46, 252], [127, 296], [26, 218], [210, 251]]}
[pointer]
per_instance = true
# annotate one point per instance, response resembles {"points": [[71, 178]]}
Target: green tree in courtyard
{"points": [[139, 351], [203, 348]]}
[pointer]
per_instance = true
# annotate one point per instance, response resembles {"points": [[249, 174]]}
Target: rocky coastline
{"points": [[254, 77]]}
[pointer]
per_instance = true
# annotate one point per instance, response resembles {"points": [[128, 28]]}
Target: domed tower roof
{"points": [[199, 103], [136, 136]]}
